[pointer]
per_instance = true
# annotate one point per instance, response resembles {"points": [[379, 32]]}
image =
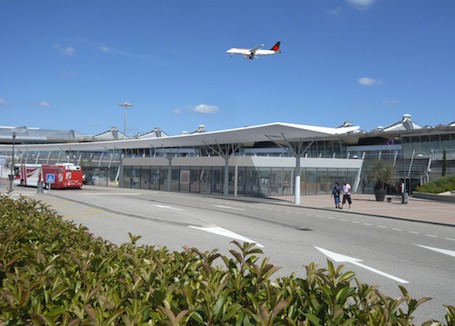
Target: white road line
{"points": [[355, 222], [414, 232], [113, 194], [168, 207], [367, 224], [382, 226], [226, 233], [450, 239], [229, 207], [442, 251], [431, 235], [395, 229], [339, 258]]}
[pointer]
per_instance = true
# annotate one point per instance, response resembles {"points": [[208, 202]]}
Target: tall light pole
{"points": [[13, 131], [12, 164], [125, 105]]}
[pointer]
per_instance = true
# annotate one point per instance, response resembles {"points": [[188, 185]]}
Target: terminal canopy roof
{"points": [[277, 132]]}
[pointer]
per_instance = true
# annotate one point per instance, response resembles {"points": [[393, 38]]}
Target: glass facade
{"points": [[251, 181]]}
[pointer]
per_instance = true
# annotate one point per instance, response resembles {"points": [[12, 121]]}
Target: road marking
{"points": [[399, 230], [339, 258], [226, 233], [414, 232], [113, 194], [229, 207], [84, 214], [442, 251], [431, 235], [367, 224], [168, 207], [382, 226], [355, 222], [450, 239]]}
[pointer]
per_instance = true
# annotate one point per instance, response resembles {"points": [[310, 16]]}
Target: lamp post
{"points": [[12, 163], [125, 105], [14, 131]]}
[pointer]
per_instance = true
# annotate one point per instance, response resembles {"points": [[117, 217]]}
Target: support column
{"points": [[226, 176], [169, 173], [297, 180]]}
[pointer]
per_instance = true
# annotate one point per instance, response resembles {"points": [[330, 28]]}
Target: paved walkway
{"points": [[416, 209], [421, 210]]}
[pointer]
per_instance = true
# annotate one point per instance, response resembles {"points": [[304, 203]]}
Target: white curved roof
{"points": [[245, 135]]}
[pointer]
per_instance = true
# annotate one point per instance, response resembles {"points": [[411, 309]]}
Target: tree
{"points": [[381, 173]]}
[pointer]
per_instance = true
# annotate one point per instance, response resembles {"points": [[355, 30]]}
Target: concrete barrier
{"points": [[435, 197]]}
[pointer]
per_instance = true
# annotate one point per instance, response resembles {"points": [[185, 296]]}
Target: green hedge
{"points": [[439, 185], [53, 272]]}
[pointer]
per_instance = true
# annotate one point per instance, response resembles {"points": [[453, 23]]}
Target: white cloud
{"points": [[391, 102], [361, 4], [206, 109], [104, 49], [334, 12], [367, 81], [44, 104], [2, 101], [66, 51]]}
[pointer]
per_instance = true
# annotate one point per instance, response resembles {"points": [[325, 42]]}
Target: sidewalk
{"points": [[421, 210]]}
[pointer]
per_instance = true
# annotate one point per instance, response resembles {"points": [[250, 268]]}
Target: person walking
{"points": [[346, 194], [336, 194]]}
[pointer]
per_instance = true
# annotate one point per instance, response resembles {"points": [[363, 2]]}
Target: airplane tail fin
{"points": [[276, 47]]}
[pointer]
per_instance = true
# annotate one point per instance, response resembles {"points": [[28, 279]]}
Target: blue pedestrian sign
{"points": [[50, 178]]}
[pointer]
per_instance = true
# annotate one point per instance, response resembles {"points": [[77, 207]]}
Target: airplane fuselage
{"points": [[255, 52]]}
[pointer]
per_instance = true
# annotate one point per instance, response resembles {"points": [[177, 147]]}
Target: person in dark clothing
{"points": [[336, 194]]}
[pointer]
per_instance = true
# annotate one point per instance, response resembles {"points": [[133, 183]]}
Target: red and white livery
{"points": [[65, 175]]}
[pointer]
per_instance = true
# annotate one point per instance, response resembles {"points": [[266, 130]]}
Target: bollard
{"points": [[40, 187], [404, 198]]}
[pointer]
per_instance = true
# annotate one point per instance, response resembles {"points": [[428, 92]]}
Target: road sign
{"points": [[50, 178]]}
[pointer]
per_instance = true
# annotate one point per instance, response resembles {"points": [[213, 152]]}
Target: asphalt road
{"points": [[386, 252]]}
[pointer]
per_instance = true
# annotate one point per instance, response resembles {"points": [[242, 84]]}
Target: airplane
{"points": [[255, 52]]}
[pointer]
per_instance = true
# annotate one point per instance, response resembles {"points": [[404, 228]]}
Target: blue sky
{"points": [[68, 64]]}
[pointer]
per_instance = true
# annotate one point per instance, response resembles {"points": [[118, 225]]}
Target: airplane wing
{"points": [[253, 50]]}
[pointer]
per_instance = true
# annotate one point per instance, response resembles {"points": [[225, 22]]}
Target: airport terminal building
{"points": [[265, 160]]}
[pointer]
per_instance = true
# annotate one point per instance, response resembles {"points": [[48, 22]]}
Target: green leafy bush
{"points": [[439, 185], [53, 272]]}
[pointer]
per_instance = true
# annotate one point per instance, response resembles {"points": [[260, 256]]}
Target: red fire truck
{"points": [[58, 176]]}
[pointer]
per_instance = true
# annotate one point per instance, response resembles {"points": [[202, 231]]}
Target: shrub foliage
{"points": [[53, 272], [442, 184]]}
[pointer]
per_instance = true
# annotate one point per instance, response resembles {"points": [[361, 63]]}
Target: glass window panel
{"points": [[145, 179], [205, 178], [155, 178], [195, 181]]}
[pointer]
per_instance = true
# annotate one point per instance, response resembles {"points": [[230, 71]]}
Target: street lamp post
{"points": [[125, 105], [12, 164]]}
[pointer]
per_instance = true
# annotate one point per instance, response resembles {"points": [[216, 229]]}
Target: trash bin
{"points": [[404, 198], [40, 186]]}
